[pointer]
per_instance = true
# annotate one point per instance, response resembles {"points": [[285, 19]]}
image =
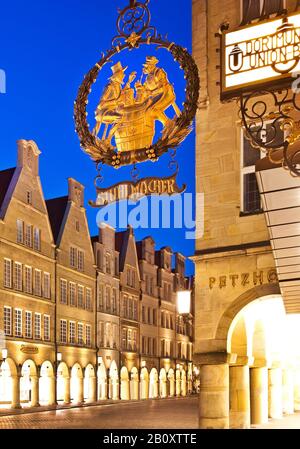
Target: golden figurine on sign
{"points": [[129, 114]]}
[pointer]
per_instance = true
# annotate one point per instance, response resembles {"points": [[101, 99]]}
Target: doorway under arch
{"points": [[47, 384], [90, 382], [63, 384], [76, 384], [8, 389], [171, 379], [153, 387], [113, 389], [29, 384], [124, 384], [134, 384], [144, 383], [102, 382], [163, 383]]}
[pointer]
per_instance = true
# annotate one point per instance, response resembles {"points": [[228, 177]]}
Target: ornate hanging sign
{"points": [[124, 127], [260, 56]]}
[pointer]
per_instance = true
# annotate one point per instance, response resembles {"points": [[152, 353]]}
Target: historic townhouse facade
{"points": [[82, 318]]}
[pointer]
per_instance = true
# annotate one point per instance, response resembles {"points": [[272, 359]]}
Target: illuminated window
{"points": [[7, 321], [28, 279], [135, 310], [81, 296], [73, 257], [88, 299], [47, 286], [107, 294], [72, 292], [129, 340], [108, 263], [100, 297], [63, 331], [134, 340], [37, 282], [18, 323], [18, 276], [114, 301], [108, 335], [28, 324], [20, 231], [37, 239], [115, 336], [101, 333], [37, 326], [72, 332], [46, 327], [124, 338], [63, 291], [88, 333], [28, 235], [80, 333], [80, 260], [7, 273]]}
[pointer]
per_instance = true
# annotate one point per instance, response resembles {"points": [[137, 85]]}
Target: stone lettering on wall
{"points": [[243, 279]]}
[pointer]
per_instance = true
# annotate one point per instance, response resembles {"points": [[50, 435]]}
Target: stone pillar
{"points": [[275, 393], [259, 395], [15, 385], [172, 387], [80, 395], [288, 391], [67, 392], [115, 390], [297, 389], [52, 387], [214, 397], [239, 389], [92, 389], [34, 391]]}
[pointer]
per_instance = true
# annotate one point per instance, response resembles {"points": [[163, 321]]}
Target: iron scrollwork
{"points": [[271, 121]]}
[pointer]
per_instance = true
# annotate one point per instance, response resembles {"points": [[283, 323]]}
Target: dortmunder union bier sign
{"points": [[261, 55], [123, 131]]}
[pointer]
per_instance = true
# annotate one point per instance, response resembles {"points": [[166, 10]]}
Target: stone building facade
{"points": [[83, 318], [234, 261]]}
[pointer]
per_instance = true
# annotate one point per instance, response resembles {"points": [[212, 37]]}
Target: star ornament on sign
{"points": [[124, 126]]}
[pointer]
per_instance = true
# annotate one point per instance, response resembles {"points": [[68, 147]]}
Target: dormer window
{"points": [[259, 9], [29, 197]]}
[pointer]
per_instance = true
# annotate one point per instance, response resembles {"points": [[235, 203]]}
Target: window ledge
{"points": [[248, 214]]}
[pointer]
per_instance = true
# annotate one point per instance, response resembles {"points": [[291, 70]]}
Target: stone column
{"points": [[92, 389], [67, 392], [214, 397], [259, 395], [288, 391], [297, 389], [15, 385], [80, 397], [239, 388], [34, 391], [52, 387], [275, 393]]}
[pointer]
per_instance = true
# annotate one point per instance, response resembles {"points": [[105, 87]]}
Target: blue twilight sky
{"points": [[46, 48]]}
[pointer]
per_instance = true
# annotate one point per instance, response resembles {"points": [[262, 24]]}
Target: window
{"points": [[108, 263], [88, 335], [63, 291], [107, 291], [28, 324], [20, 231], [162, 348], [18, 323], [7, 273], [133, 279], [255, 9], [115, 336], [28, 279], [101, 333], [171, 323], [72, 332], [130, 308], [162, 317], [37, 282], [116, 266], [149, 346], [149, 316], [99, 260], [46, 327], [114, 301], [143, 345], [28, 197], [73, 257], [47, 286], [63, 331], [154, 346], [179, 350], [135, 310], [143, 315], [80, 260], [37, 326], [134, 336], [28, 235], [100, 296], [18, 276], [151, 286], [37, 239], [129, 340], [124, 338], [128, 276], [107, 335], [80, 296], [7, 321], [154, 317], [88, 299], [125, 301], [80, 333]]}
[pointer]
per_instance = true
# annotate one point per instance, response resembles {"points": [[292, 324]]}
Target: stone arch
{"points": [[76, 383], [29, 384], [237, 305], [89, 386], [63, 383], [124, 384], [134, 384], [163, 383], [102, 382], [144, 384], [47, 384], [113, 381], [8, 375], [153, 387], [171, 379]]}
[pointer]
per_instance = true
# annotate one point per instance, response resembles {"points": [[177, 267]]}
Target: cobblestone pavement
{"points": [[152, 414]]}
